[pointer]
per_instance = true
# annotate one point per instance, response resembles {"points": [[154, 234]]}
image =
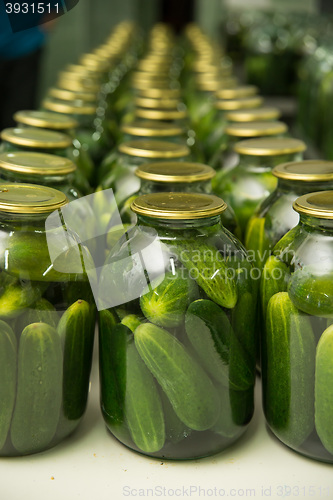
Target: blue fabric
{"points": [[16, 45]]}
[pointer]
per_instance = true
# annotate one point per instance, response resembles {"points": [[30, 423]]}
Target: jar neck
{"points": [[311, 223], [48, 180], [148, 186], [179, 224], [267, 163], [302, 187]]}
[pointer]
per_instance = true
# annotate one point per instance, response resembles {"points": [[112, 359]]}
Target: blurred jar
{"points": [[47, 120], [297, 298], [246, 185], [264, 113]]}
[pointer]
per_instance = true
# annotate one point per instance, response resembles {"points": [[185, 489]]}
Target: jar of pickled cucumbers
{"points": [[177, 357], [246, 185], [275, 216], [121, 177], [46, 120], [47, 319], [297, 346]]}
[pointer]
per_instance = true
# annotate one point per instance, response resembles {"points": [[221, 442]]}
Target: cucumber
{"points": [[311, 293], [324, 389], [165, 302], [274, 279], [131, 321], [143, 407], [243, 320], [175, 430], [242, 406], [209, 269], [8, 368], [241, 363], [16, 298], [188, 387], [225, 425], [39, 388], [76, 331], [284, 248], [113, 340], [288, 371], [209, 331], [42, 311], [256, 240]]}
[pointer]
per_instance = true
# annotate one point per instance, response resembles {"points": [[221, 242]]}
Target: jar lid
{"points": [[306, 170], [30, 199], [215, 84], [154, 149], [90, 77], [80, 69], [33, 137], [269, 146], [180, 171], [154, 93], [146, 128], [45, 119], [180, 206], [242, 103], [237, 92], [256, 129], [161, 114], [153, 103], [139, 84], [68, 107], [319, 205], [69, 95], [256, 114], [29, 162], [78, 85], [152, 77]]}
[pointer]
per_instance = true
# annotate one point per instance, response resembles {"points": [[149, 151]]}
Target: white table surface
{"points": [[91, 464]]}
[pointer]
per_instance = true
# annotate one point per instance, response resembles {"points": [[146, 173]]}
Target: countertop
{"points": [[91, 464]]}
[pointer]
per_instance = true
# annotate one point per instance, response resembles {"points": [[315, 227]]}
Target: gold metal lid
{"points": [[237, 92], [79, 85], [160, 103], [33, 137], [153, 93], [69, 95], [29, 162], [142, 84], [154, 149], [146, 128], [305, 170], [151, 77], [181, 171], [30, 199], [256, 129], [89, 77], [215, 84], [319, 205], [257, 114], [243, 103], [45, 119], [269, 146], [179, 206], [73, 108], [160, 114], [79, 70]]}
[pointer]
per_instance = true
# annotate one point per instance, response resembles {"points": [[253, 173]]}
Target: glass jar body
{"points": [[47, 332], [199, 279], [250, 182], [297, 301]]}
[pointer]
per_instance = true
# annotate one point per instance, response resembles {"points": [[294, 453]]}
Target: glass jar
{"points": [[181, 283], [246, 185], [121, 177], [184, 177], [41, 140], [47, 321], [297, 298], [275, 216], [47, 120], [265, 113]]}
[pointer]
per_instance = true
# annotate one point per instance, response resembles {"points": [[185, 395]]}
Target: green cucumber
{"points": [[8, 367], [274, 279], [209, 269], [288, 371], [16, 298], [243, 320], [113, 340], [257, 241], [225, 425], [242, 406], [311, 293], [131, 321], [324, 389], [166, 300], [284, 248], [42, 311], [209, 331], [143, 407], [39, 388], [76, 330], [175, 430], [188, 387]]}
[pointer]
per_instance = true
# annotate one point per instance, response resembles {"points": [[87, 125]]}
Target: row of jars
{"points": [[189, 251]]}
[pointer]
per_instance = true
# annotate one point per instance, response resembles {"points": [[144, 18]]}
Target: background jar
{"points": [[246, 185], [47, 321], [47, 120], [210, 402], [264, 113], [297, 298]]}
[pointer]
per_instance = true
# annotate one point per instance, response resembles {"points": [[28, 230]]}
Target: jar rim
{"points": [[36, 137], [255, 114], [241, 103], [30, 199], [256, 129], [178, 206], [71, 95], [161, 114], [152, 128], [305, 170], [67, 107], [30, 162], [237, 92], [316, 204], [146, 148], [45, 119], [269, 146], [157, 103]]}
